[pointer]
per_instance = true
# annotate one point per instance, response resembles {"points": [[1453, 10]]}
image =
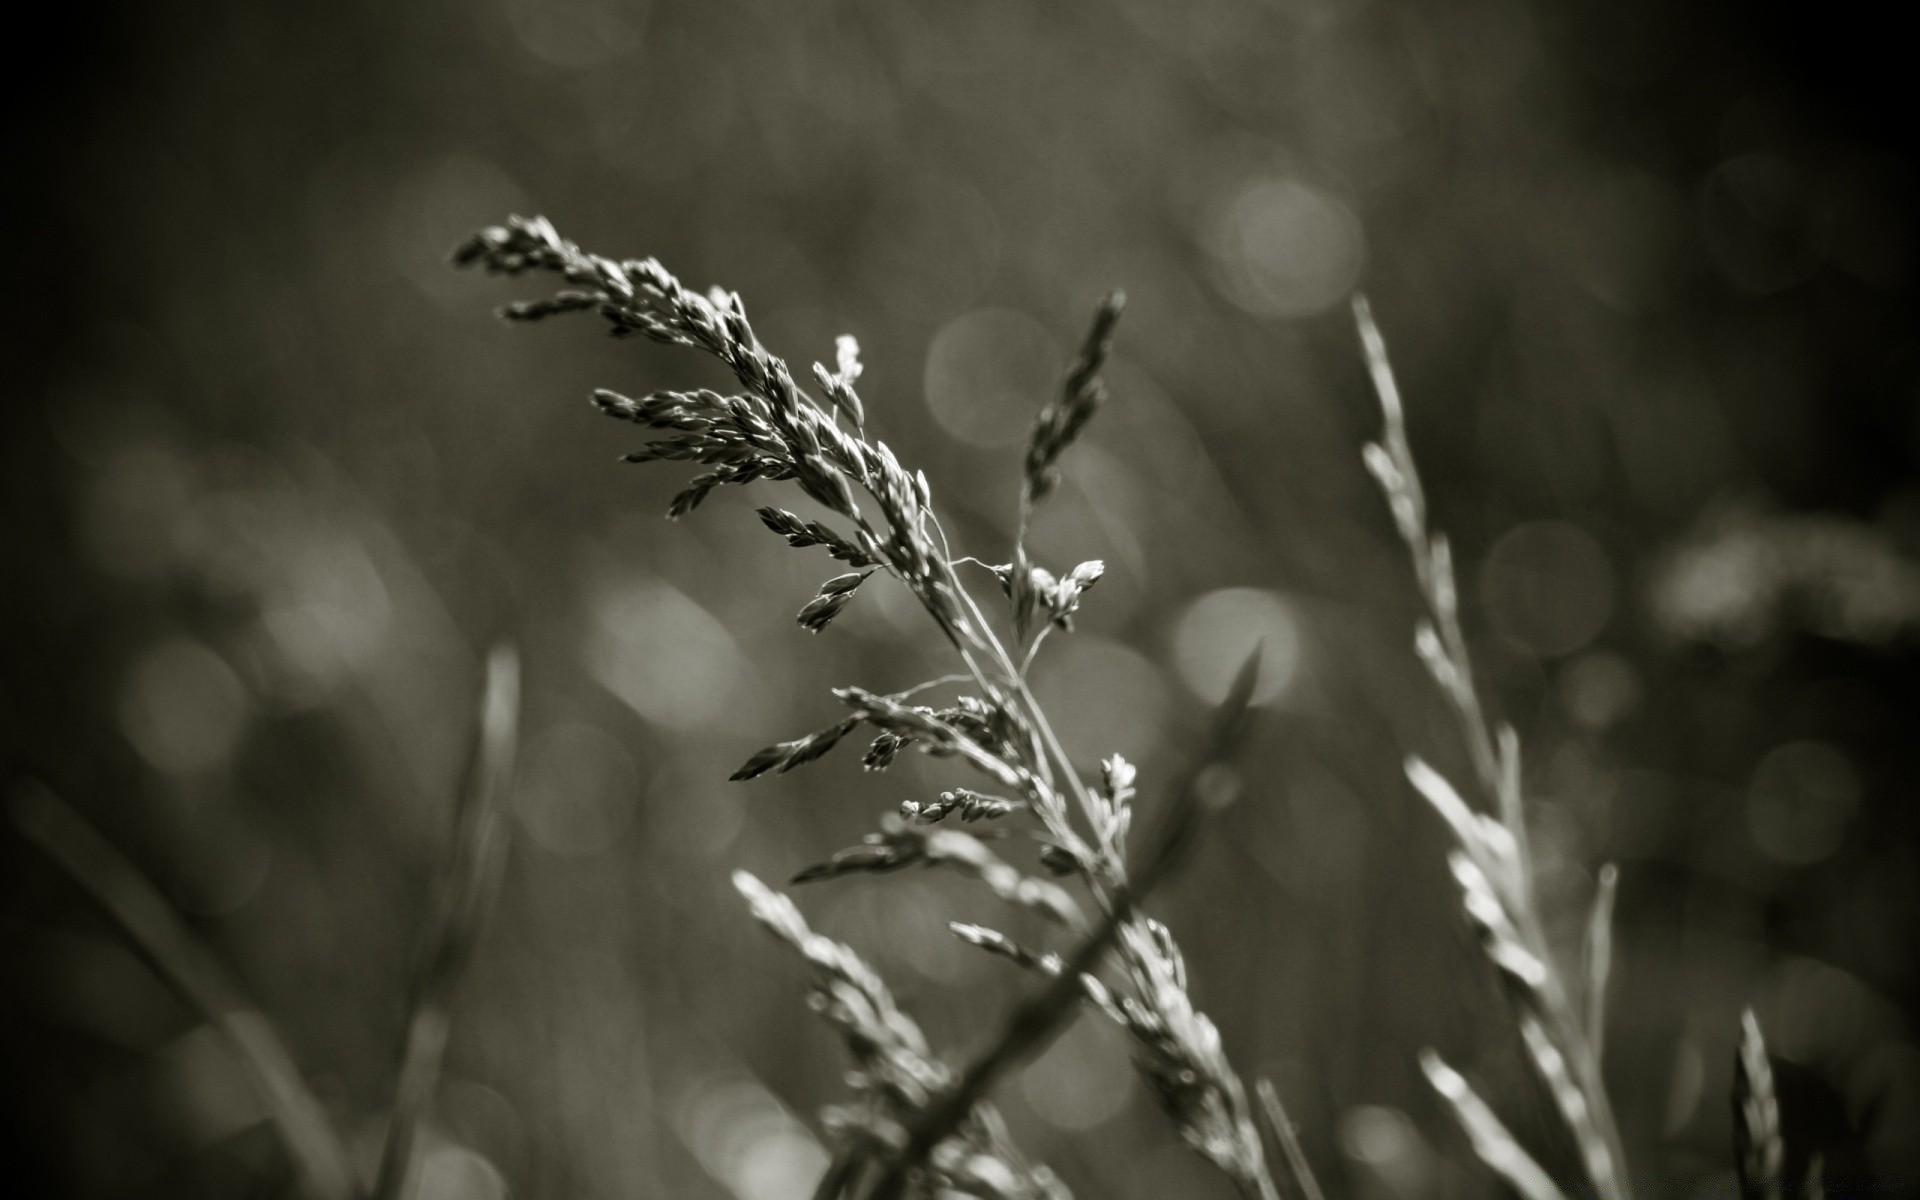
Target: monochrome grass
{"points": [[774, 430]]}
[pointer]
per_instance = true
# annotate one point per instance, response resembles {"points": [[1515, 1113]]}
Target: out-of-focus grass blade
{"points": [[838, 1179], [1759, 1154], [150, 923], [1600, 960], [1554, 1070], [1288, 1141], [1229, 720], [1491, 1141], [471, 883]]}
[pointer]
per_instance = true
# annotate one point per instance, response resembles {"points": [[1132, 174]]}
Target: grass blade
{"points": [[471, 883], [1289, 1142], [150, 923], [1600, 962]]}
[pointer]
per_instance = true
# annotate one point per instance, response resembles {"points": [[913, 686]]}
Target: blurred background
{"points": [[275, 478]]}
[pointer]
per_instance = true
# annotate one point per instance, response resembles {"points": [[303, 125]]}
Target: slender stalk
{"points": [[1289, 1142], [471, 884], [1600, 960], [1494, 863]]}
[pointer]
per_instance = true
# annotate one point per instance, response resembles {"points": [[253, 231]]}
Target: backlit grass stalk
{"points": [[1560, 1026], [879, 516], [1759, 1143], [1759, 1155]]}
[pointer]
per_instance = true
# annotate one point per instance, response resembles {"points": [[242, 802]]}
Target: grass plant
{"points": [[915, 1123], [1560, 1014], [918, 1126]]}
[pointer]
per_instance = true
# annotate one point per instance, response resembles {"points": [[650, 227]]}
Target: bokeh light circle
{"points": [[183, 708], [1083, 1081], [988, 372], [1282, 248], [1214, 635], [1548, 586], [1102, 697]]}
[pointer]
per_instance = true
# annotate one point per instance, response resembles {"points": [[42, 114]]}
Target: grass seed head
{"points": [[772, 430], [785, 756], [1080, 397]]}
